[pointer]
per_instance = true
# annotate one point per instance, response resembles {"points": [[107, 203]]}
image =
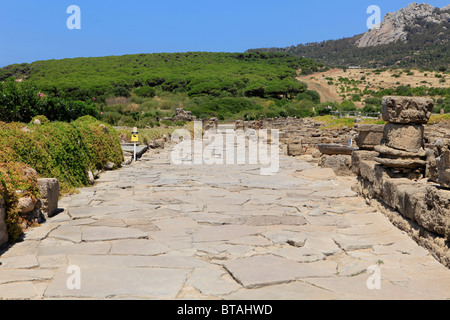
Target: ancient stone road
{"points": [[158, 231]]}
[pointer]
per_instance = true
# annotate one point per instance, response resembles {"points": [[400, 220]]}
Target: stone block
{"points": [[295, 149], [367, 170], [359, 156], [333, 148], [407, 137], [49, 193], [443, 167], [398, 109], [434, 212], [369, 135], [340, 164], [401, 159]]}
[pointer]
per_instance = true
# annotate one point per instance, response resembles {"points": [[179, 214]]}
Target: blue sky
{"points": [[33, 30]]}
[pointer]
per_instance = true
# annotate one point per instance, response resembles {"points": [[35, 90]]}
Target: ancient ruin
{"points": [[402, 168], [402, 146]]}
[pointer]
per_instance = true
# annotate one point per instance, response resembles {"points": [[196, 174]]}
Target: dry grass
{"points": [[374, 80]]}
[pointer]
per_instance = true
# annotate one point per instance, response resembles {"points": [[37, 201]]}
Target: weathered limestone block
{"points": [[409, 197], [332, 148], [295, 149], [341, 164], [183, 115], [240, 125], [49, 192], [367, 170], [407, 137], [395, 158], [369, 136], [443, 167], [423, 203], [210, 124], [431, 169], [397, 109], [361, 155], [3, 231], [434, 213], [395, 193], [26, 204]]}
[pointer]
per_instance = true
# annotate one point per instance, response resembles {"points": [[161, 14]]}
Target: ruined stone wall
{"points": [[300, 136], [32, 210], [402, 168], [405, 175]]}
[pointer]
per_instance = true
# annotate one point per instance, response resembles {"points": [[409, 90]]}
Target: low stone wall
{"points": [[300, 136], [423, 206], [32, 210], [412, 192]]}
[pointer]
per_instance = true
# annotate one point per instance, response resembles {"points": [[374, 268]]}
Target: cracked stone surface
{"points": [[153, 230]]}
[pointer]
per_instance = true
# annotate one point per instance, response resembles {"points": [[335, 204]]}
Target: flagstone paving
{"points": [[154, 230]]}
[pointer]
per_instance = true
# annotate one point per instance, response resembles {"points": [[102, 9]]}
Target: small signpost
{"points": [[135, 139]]}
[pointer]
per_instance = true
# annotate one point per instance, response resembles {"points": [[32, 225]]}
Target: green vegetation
{"points": [[334, 123], [23, 101], [426, 46], [195, 73], [141, 90], [66, 151], [16, 176]]}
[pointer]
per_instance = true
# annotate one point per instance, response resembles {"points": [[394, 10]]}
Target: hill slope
{"points": [[83, 78], [414, 37]]}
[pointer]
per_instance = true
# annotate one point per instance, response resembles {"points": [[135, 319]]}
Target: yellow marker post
{"points": [[135, 139]]}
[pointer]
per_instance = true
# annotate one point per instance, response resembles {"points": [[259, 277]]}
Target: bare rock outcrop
{"points": [[392, 28]]}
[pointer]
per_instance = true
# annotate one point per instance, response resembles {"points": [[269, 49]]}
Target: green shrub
{"points": [[311, 95], [119, 92], [66, 151], [16, 176], [146, 92], [22, 101]]}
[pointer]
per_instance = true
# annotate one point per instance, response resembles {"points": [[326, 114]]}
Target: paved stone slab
{"points": [[19, 262], [224, 233], [100, 282], [212, 280], [138, 247], [18, 291], [111, 233], [268, 220], [317, 174], [75, 248], [164, 261], [297, 290], [286, 237], [70, 233], [157, 231], [19, 275], [265, 270], [41, 232], [348, 243], [87, 212]]}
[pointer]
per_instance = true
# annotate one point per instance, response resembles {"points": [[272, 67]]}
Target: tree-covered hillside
{"points": [[196, 73], [427, 47], [142, 89]]}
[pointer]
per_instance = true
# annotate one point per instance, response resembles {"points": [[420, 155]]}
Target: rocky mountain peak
{"points": [[392, 28]]}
